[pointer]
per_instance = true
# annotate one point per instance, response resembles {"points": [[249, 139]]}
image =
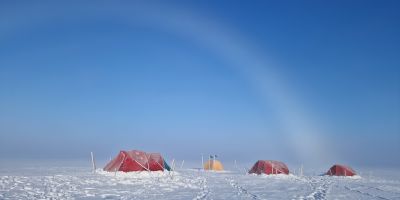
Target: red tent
{"points": [[340, 170], [269, 167], [135, 160]]}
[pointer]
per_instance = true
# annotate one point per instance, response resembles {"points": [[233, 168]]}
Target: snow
{"points": [[59, 182]]}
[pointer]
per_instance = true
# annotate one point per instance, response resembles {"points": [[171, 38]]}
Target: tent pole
{"points": [[141, 165], [122, 161], [148, 164], [209, 163], [161, 165], [213, 162], [272, 166]]}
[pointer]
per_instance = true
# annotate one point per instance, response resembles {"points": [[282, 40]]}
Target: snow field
{"points": [[80, 183]]}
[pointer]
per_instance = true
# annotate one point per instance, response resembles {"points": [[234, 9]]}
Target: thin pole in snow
{"points": [[235, 165], [183, 161], [93, 162], [173, 164], [301, 169], [202, 161]]}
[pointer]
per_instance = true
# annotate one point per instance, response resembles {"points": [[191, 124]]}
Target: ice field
{"points": [[78, 182]]}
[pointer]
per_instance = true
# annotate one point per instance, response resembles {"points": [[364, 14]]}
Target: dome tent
{"points": [[341, 170], [213, 165], [135, 160], [269, 167]]}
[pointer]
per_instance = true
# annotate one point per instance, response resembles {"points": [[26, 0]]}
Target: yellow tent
{"points": [[213, 165]]}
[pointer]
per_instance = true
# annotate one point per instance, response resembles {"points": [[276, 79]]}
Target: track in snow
{"points": [[204, 190], [320, 187], [241, 190]]}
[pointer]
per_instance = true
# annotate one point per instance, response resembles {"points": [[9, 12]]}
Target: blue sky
{"points": [[297, 81]]}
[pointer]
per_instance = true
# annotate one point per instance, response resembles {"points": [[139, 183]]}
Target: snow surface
{"points": [[59, 182]]}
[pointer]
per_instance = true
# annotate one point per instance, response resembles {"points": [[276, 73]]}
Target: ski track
{"points": [[378, 189], [365, 193]]}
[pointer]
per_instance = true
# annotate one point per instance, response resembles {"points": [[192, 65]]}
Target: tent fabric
{"points": [[136, 160], [340, 170], [269, 167], [213, 165]]}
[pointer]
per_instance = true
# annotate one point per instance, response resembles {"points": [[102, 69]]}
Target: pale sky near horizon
{"points": [[297, 81]]}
